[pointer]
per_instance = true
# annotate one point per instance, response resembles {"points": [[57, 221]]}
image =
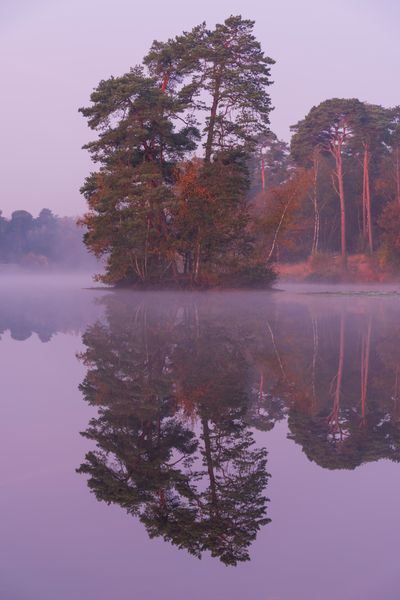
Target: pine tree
{"points": [[157, 215], [329, 127], [225, 75], [130, 197]]}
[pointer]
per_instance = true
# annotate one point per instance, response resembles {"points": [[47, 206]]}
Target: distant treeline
{"points": [[46, 310], [43, 242]]}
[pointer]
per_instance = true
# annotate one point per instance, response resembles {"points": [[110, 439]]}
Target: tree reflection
{"points": [[182, 382], [351, 423], [173, 444], [44, 311]]}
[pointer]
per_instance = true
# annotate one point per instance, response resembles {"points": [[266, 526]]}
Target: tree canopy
{"points": [[160, 211], [193, 189]]}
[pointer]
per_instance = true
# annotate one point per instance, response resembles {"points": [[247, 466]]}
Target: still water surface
{"points": [[139, 432]]}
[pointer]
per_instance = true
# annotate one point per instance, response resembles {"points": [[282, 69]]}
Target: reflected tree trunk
{"points": [[261, 387], [365, 352], [276, 351], [314, 359], [334, 417], [210, 464]]}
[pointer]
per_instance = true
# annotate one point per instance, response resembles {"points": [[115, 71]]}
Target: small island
{"points": [[193, 189]]}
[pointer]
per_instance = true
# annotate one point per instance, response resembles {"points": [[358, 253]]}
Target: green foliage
{"points": [[320, 128], [130, 198], [225, 74], [193, 189], [157, 218]]}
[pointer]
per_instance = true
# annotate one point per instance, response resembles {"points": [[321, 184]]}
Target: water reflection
{"points": [[351, 410], [28, 310], [181, 384], [174, 448]]}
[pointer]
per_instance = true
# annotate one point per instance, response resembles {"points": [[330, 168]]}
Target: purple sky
{"points": [[52, 53]]}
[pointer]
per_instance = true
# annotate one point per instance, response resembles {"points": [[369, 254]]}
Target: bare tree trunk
{"points": [[316, 209], [339, 170], [165, 81], [261, 387], [278, 357], [213, 118], [367, 198], [197, 261], [146, 248], [364, 205], [275, 240], [335, 148], [263, 174], [398, 174]]}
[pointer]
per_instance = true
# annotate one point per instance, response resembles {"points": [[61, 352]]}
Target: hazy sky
{"points": [[53, 52]]}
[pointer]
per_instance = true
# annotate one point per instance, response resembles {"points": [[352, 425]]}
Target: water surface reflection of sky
{"points": [[188, 402]]}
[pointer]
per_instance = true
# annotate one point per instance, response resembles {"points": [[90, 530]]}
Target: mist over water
{"points": [[259, 430]]}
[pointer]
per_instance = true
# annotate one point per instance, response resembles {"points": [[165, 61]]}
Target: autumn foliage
{"points": [[194, 190]]}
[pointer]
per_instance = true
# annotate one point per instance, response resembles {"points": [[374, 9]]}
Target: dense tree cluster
{"points": [[42, 242], [193, 188], [169, 202], [338, 185]]}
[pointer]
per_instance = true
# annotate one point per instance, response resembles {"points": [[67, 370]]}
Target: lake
{"points": [[140, 432]]}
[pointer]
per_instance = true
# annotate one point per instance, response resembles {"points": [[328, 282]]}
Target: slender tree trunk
{"points": [[367, 199], [261, 387], [275, 240], [364, 205], [339, 171], [213, 118], [335, 148], [315, 243], [398, 174], [146, 248], [197, 261], [276, 351], [369, 215], [263, 174], [210, 465], [165, 81]]}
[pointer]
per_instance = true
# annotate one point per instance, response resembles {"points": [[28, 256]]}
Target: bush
{"points": [[324, 267], [251, 276]]}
